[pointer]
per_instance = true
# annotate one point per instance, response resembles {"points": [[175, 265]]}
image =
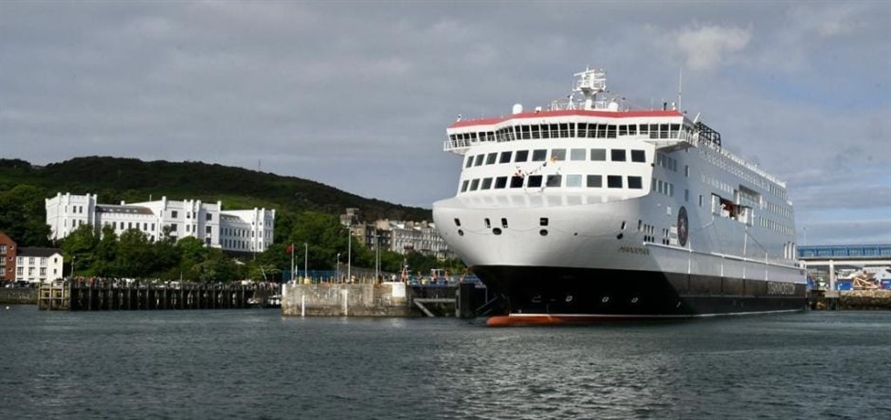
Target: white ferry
{"points": [[588, 209]]}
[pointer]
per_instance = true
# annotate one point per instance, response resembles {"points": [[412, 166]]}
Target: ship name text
{"points": [[634, 250]]}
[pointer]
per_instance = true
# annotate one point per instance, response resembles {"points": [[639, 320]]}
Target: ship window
{"points": [[598, 154], [521, 156], [543, 221], [474, 184], [558, 154], [686, 195], [573, 180], [555, 131], [535, 133], [583, 129], [488, 224], [554, 180], [479, 160], [595, 181], [635, 182], [487, 184], [469, 162], [643, 129], [534, 181], [638, 156], [525, 132], [611, 131], [674, 130], [516, 182], [457, 222], [545, 134], [504, 222], [617, 155], [623, 130], [686, 170], [592, 131], [539, 155], [700, 200], [663, 131], [564, 130], [500, 182], [464, 185], [576, 154], [614, 181], [505, 157], [490, 158], [632, 129], [654, 131]]}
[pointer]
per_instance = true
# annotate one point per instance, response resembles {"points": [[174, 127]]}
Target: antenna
{"points": [[680, 85]]}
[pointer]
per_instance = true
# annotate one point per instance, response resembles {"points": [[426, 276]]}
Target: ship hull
{"points": [[586, 294]]}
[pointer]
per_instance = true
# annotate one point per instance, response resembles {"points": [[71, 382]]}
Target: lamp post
{"points": [[349, 251], [73, 259], [337, 269], [305, 260]]}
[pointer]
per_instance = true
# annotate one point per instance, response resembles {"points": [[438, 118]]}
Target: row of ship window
{"points": [[557, 180], [570, 130], [541, 155]]}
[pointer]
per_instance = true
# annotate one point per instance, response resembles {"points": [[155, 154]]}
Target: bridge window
{"points": [[525, 132], [595, 181], [534, 181], [611, 131], [505, 157], [539, 155], [638, 156], [617, 155], [583, 130], [516, 182], [500, 182], [623, 130], [598, 154], [521, 156], [490, 159], [643, 129], [632, 129], [536, 134]]}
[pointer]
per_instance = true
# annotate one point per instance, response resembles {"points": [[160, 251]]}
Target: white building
{"points": [[38, 265], [231, 230]]}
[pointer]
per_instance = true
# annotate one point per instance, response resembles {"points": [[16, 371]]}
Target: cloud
{"points": [[707, 47]]}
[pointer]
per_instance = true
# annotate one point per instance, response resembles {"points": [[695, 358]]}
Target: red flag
{"points": [[290, 249]]}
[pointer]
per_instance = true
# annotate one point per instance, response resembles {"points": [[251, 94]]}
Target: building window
{"points": [[174, 214]]}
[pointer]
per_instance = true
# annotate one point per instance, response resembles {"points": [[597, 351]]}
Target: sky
{"points": [[358, 94]]}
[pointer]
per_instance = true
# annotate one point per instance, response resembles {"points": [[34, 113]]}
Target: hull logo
{"points": [[682, 226]]}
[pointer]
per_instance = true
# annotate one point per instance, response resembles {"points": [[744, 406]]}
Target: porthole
{"points": [[496, 231], [620, 236], [543, 232], [460, 232], [457, 222]]}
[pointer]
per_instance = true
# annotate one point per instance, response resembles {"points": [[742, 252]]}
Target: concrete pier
{"points": [[379, 300]]}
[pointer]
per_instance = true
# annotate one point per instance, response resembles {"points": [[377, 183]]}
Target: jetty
{"points": [[112, 296]]}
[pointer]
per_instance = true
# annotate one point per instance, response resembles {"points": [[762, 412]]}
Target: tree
{"points": [[79, 248], [134, 255], [23, 215]]}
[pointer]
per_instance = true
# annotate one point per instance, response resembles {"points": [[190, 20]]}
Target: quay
{"points": [[387, 299], [112, 296]]}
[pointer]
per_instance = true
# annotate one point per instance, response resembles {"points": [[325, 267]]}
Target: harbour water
{"points": [[240, 364]]}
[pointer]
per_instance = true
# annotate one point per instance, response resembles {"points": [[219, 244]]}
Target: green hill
{"points": [[133, 180]]}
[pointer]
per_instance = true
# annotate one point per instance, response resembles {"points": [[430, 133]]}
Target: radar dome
{"points": [[518, 108], [613, 106]]}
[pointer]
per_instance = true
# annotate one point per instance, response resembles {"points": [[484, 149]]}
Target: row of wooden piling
{"points": [[76, 296]]}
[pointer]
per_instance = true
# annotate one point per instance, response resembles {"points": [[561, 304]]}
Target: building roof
{"points": [[112, 208], [38, 252]]}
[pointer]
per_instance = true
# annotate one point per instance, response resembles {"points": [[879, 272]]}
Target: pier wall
{"points": [[373, 300], [18, 296]]}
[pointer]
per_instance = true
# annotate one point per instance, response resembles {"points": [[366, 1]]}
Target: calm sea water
{"points": [[233, 364]]}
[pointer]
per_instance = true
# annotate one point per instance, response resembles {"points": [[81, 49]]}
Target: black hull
{"points": [[628, 293]]}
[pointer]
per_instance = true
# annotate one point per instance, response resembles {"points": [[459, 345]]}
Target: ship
{"points": [[589, 209]]}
